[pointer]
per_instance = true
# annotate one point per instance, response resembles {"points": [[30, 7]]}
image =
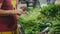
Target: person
{"points": [[8, 16], [27, 2], [51, 1], [34, 3], [48, 1]]}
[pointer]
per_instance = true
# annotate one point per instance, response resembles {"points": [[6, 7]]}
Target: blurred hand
{"points": [[23, 8], [20, 12]]}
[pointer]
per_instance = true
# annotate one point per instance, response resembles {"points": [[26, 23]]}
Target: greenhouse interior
{"points": [[33, 17]]}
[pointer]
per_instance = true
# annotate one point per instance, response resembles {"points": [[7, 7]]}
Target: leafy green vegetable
{"points": [[39, 18]]}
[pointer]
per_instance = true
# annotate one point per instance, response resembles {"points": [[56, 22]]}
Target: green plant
{"points": [[33, 23], [30, 23], [51, 10], [39, 18]]}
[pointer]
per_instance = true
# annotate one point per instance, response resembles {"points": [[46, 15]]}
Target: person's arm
{"points": [[8, 12]]}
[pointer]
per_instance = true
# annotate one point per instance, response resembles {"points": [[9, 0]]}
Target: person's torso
{"points": [[7, 22]]}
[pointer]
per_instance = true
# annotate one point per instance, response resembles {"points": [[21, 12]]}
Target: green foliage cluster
{"points": [[51, 10], [39, 18]]}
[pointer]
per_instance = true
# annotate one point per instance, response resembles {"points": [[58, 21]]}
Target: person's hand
{"points": [[20, 12], [23, 8]]}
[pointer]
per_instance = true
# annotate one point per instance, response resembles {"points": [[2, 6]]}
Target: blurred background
{"points": [[29, 3]]}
